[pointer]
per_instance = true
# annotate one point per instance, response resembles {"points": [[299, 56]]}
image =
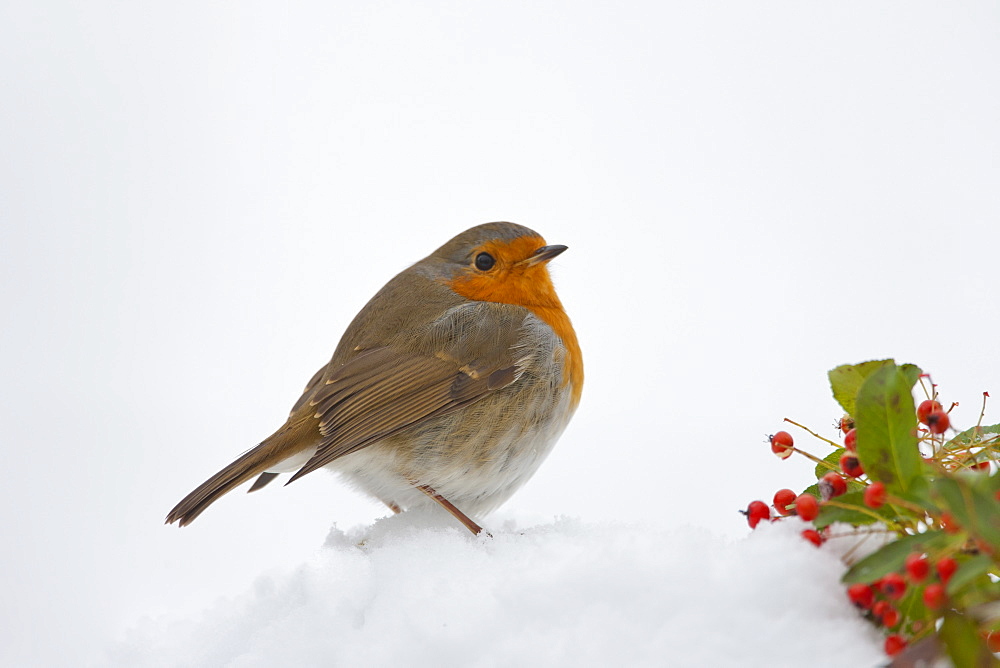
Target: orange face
{"points": [[514, 272], [514, 276]]}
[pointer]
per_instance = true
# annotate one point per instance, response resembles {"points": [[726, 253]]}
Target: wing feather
{"points": [[389, 392], [467, 354]]}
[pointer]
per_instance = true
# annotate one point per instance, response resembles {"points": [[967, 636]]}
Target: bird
{"points": [[450, 386]]}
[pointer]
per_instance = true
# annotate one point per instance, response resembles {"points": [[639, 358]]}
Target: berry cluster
{"points": [[878, 600], [895, 472]]}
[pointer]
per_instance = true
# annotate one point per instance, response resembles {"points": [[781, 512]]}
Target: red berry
{"points": [[850, 465], [926, 408], [846, 423], [894, 586], [949, 524], [851, 440], [993, 641], [917, 567], [781, 444], [934, 596], [755, 512], [807, 507], [813, 537], [980, 466], [861, 595], [880, 607], [938, 422], [875, 495], [782, 499], [831, 485], [894, 644], [946, 567]]}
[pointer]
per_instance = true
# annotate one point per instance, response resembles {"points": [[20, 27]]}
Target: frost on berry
{"points": [[831, 485], [781, 444], [846, 423]]}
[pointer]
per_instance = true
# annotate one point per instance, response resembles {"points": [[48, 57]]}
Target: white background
{"points": [[196, 198]]}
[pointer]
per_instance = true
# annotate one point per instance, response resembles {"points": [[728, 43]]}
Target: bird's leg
{"points": [[458, 514]]}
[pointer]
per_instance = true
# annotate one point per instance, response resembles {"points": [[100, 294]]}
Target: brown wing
{"points": [[306, 393], [383, 391]]}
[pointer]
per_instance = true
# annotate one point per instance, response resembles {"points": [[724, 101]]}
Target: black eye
{"points": [[485, 262]]}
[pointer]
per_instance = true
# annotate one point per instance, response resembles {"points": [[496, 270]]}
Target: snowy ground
{"points": [[414, 590], [196, 198]]}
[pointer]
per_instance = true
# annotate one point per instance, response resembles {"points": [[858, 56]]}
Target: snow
{"points": [[416, 590]]}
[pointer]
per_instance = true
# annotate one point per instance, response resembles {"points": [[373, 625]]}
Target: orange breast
{"points": [[529, 286]]}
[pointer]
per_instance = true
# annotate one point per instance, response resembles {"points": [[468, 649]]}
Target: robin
{"points": [[451, 385]]}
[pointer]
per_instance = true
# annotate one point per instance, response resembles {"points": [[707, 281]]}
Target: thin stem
{"points": [[860, 509], [822, 438]]}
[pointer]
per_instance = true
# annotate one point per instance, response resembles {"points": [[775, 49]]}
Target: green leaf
{"points": [[962, 642], [971, 437], [887, 428], [974, 510], [968, 572], [911, 372], [984, 592], [919, 494], [846, 379], [858, 514], [890, 557], [833, 459], [915, 614]]}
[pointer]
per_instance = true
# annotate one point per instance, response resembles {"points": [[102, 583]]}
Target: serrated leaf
{"points": [[890, 557], [970, 436], [911, 372], [887, 428], [962, 642], [846, 380]]}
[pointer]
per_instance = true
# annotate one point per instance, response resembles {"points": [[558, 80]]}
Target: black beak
{"points": [[544, 254]]}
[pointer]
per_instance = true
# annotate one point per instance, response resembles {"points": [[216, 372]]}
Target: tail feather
{"points": [[255, 461], [265, 477]]}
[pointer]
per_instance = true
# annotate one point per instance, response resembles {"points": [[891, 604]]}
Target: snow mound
{"points": [[411, 590]]}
